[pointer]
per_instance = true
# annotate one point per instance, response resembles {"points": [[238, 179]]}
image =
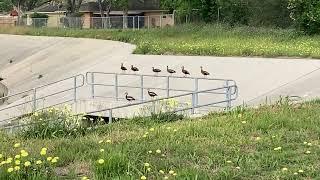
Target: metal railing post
{"points": [[161, 21], [134, 23], [34, 105], [110, 116], [138, 22], [193, 103], [75, 89], [148, 22], [168, 86], [141, 88], [196, 89], [116, 86], [228, 106], [92, 85]]}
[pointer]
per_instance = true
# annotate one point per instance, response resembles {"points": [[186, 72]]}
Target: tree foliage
{"points": [[306, 15]]}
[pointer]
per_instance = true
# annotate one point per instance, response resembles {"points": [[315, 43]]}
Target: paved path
{"points": [[56, 58]]}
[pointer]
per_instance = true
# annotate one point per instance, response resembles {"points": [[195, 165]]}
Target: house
{"points": [[141, 14]]}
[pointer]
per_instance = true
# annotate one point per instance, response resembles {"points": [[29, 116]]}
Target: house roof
{"points": [[134, 5]]}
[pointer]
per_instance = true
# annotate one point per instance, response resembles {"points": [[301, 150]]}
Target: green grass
{"points": [[193, 148], [203, 40]]}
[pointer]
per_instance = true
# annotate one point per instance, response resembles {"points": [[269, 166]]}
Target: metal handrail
{"points": [[194, 106], [34, 100]]}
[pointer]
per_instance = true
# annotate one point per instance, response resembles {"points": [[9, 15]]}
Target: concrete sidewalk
{"points": [[57, 58]]}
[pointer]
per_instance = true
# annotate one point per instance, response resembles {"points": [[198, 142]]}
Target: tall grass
{"points": [[203, 40], [272, 142]]}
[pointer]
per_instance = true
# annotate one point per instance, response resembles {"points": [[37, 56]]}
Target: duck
{"points": [[205, 73], [152, 94], [134, 69], [156, 70], [123, 68], [171, 71], [129, 98], [184, 71]]}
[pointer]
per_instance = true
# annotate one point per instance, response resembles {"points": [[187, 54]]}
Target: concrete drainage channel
{"points": [[3, 93]]}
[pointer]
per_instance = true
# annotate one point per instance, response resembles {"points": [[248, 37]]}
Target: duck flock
{"points": [[156, 70]]}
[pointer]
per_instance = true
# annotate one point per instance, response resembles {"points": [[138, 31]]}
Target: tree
{"points": [[124, 5], [306, 15], [5, 5], [73, 6]]}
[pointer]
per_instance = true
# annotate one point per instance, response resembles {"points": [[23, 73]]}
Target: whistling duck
{"points": [[152, 94], [134, 69], [205, 73], [123, 68], [11, 61], [185, 72], [156, 70], [1, 79], [171, 71], [129, 98]]}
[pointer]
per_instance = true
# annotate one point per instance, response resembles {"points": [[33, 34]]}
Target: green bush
{"points": [[39, 15], [54, 123], [306, 15]]}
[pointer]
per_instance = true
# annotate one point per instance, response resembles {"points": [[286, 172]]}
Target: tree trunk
{"points": [[125, 19]]}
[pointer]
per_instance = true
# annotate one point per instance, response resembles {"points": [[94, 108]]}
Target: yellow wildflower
{"points": [[17, 162], [143, 178], [238, 167], [308, 152], [17, 156], [158, 151], [148, 169], [54, 160], [151, 129], [100, 161], [27, 163], [166, 177], [24, 153], [9, 160], [101, 150], [161, 172], [284, 169], [10, 170], [171, 172], [16, 145], [244, 122], [300, 171], [108, 141], [38, 162], [146, 164], [150, 152], [49, 158], [17, 168], [84, 178], [174, 174], [100, 141], [229, 162]]}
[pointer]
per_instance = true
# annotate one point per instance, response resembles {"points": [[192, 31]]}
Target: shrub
{"points": [[39, 15], [306, 15], [53, 123]]}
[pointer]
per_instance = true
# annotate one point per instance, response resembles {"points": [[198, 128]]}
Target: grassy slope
{"points": [[200, 40], [199, 149]]}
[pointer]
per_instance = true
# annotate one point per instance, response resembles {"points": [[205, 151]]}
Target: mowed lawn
{"points": [[203, 40], [271, 142]]}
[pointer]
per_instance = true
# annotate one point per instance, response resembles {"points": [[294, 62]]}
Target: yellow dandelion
{"points": [[54, 160], [171, 172], [284, 169], [158, 151], [300, 171], [17, 156], [27, 163], [9, 160], [3, 162], [150, 152], [146, 164], [308, 152], [175, 130], [244, 122], [17, 162], [24, 153], [16, 145], [151, 129], [38, 162], [10, 170], [144, 136], [101, 150], [49, 158], [166, 177], [100, 161], [143, 178], [43, 153], [44, 149], [17, 168], [161, 172], [100, 141]]}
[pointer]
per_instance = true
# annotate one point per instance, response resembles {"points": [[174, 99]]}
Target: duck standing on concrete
{"points": [[152, 94], [134, 69], [205, 73], [129, 98], [171, 71], [184, 71], [156, 70], [124, 69]]}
